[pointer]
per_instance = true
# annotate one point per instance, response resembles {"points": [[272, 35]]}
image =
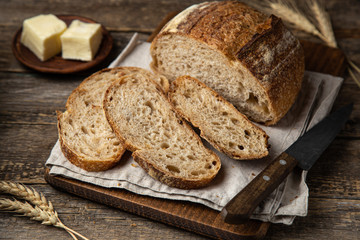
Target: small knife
{"points": [[302, 153]]}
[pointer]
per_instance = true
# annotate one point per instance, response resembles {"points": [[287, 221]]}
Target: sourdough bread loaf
{"points": [[85, 137], [161, 142], [249, 58], [220, 123]]}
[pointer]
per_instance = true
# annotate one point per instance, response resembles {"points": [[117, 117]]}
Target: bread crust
{"points": [[168, 179], [248, 39]]}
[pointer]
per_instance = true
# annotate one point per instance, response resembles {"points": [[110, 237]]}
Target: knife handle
{"points": [[240, 208]]}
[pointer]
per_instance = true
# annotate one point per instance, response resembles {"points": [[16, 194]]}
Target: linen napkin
{"points": [[289, 200]]}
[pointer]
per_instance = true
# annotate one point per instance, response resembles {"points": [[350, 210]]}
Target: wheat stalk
{"points": [[26, 193], [323, 21], [291, 13], [43, 211]]}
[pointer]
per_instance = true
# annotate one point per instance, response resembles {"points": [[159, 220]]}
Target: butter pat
{"points": [[41, 34], [81, 41]]}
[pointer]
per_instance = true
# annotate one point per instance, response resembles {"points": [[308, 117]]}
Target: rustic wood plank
{"points": [[186, 215], [321, 221], [95, 221], [27, 132]]}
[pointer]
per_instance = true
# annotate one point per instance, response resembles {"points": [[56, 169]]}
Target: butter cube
{"points": [[41, 34], [81, 41]]}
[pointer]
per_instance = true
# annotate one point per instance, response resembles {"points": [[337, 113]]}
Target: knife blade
{"points": [[302, 153]]}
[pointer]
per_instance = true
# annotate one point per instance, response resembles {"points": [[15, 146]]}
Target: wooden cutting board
{"points": [[186, 215]]}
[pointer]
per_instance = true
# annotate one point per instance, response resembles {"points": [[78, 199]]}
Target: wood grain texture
{"points": [[190, 216], [28, 131]]}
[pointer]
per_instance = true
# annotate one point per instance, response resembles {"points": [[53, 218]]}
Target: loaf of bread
{"points": [[249, 58], [220, 123], [162, 143], [85, 137]]}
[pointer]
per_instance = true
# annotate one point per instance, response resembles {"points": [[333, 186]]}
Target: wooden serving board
{"points": [[186, 215]]}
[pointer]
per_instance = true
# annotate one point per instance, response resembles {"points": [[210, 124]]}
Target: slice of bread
{"points": [[161, 142], [220, 123], [249, 58], [85, 137]]}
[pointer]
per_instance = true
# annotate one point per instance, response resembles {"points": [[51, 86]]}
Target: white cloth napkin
{"points": [[282, 206]]}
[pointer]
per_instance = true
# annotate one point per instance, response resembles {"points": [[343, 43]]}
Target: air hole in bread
{"points": [[163, 80], [197, 172], [173, 168], [215, 123], [150, 105], [208, 166], [247, 133], [241, 147], [111, 98], [266, 109], [252, 99], [187, 94], [225, 113], [164, 145], [214, 163], [175, 103], [84, 130], [234, 121], [231, 144], [190, 157]]}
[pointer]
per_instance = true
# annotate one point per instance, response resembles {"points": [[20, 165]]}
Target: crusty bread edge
{"points": [[86, 164], [173, 86], [169, 179]]}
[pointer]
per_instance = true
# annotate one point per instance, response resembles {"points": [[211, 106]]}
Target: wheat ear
{"points": [[43, 211], [31, 195], [322, 18]]}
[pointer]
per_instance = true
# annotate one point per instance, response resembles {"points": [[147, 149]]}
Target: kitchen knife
{"points": [[303, 153]]}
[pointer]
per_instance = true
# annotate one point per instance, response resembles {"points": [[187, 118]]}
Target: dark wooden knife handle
{"points": [[240, 208]]}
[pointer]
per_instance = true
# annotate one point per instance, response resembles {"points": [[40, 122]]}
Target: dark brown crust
{"points": [[283, 87], [167, 178], [241, 34], [173, 88], [86, 164]]}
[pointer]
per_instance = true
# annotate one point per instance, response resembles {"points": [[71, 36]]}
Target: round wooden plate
{"points": [[57, 64]]}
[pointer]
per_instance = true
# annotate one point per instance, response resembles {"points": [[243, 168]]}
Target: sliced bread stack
{"points": [[162, 143], [85, 137]]}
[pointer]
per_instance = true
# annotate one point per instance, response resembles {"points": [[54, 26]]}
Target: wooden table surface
{"points": [[28, 101]]}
